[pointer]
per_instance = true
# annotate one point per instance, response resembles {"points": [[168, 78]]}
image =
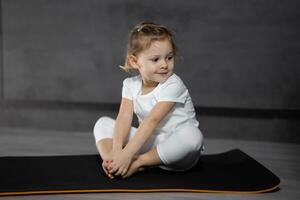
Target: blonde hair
{"points": [[141, 38]]}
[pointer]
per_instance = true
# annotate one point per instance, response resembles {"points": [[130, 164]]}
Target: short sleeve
{"points": [[174, 91], [126, 92]]}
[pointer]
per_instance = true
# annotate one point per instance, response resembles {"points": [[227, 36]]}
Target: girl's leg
{"points": [[181, 151], [149, 158], [104, 147], [103, 133], [178, 152]]}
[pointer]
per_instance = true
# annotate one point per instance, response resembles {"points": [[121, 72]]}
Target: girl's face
{"points": [[156, 64]]}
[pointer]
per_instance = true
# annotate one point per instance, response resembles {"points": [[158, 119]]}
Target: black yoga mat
{"points": [[229, 172]]}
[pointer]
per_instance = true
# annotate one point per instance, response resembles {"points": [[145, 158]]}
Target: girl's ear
{"points": [[132, 60]]}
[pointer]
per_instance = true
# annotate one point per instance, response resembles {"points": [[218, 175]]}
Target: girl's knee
{"points": [[193, 138], [182, 149], [103, 128]]}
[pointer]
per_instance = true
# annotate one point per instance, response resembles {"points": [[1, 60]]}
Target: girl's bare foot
{"points": [[133, 168]]}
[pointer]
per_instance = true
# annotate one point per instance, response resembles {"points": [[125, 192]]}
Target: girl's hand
{"points": [[115, 153], [107, 162], [105, 165], [120, 164]]}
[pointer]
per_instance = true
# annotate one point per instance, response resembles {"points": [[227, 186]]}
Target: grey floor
{"points": [[281, 158]]}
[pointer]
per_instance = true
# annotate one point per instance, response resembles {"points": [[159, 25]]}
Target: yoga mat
{"points": [[229, 172]]}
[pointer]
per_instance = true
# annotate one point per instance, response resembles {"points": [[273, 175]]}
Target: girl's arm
{"points": [[158, 112], [121, 163], [123, 124]]}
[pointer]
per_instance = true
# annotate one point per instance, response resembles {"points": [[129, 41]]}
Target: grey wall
{"points": [[60, 62], [1, 57]]}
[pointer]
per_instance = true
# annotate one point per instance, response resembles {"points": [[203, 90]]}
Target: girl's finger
{"points": [[118, 172], [110, 166], [104, 169], [110, 176], [125, 175], [113, 170], [124, 172]]}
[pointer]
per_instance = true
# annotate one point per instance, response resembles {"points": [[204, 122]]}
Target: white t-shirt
{"points": [[172, 90]]}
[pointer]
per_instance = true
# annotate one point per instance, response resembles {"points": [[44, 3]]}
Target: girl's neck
{"points": [[149, 84], [147, 87]]}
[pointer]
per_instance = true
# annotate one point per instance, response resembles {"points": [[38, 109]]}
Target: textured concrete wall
{"points": [[1, 57], [233, 54]]}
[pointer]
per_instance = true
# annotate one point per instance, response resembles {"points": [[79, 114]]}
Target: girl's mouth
{"points": [[162, 73]]}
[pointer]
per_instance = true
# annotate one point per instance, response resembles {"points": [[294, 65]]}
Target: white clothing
{"points": [[180, 151], [177, 139], [173, 90]]}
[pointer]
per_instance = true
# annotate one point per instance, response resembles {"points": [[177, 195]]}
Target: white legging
{"points": [[178, 151]]}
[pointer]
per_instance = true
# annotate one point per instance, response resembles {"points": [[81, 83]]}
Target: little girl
{"points": [[168, 134]]}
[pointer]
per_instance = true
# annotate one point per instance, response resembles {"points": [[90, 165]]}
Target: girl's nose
{"points": [[164, 65]]}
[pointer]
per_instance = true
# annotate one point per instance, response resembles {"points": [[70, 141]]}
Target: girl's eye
{"points": [[170, 57], [155, 59]]}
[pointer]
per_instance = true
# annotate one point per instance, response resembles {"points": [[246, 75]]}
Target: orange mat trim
{"points": [[136, 191]]}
